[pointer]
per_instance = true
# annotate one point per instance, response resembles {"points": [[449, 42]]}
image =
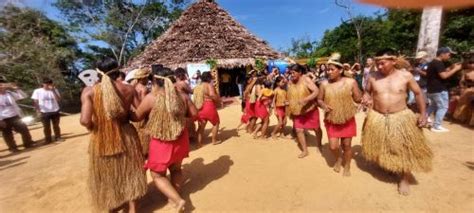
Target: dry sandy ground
{"points": [[246, 175]]}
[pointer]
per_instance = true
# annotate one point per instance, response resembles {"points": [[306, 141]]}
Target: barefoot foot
{"points": [[180, 206], [337, 165], [303, 154], [347, 171], [404, 187]]}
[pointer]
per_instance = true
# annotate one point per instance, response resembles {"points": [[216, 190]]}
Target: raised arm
{"points": [[143, 109]]}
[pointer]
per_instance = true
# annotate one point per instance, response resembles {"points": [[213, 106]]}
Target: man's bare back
{"points": [[389, 92]]}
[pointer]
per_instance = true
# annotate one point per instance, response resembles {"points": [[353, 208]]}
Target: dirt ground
{"points": [[246, 175]]}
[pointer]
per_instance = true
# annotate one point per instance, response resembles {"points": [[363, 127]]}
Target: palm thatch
{"points": [[205, 31]]}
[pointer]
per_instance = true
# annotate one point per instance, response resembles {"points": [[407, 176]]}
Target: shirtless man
{"points": [[391, 135], [302, 94], [116, 173]]}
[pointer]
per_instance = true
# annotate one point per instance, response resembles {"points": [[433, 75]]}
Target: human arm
{"points": [[35, 97], [191, 108], [450, 71], [366, 99], [356, 93], [312, 87], [86, 108], [321, 93], [420, 100], [143, 108]]}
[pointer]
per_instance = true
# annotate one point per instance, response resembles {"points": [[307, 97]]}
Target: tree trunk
{"points": [[430, 30]]}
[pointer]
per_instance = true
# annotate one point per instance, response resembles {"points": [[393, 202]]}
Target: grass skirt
{"points": [[116, 179], [143, 135], [395, 142]]}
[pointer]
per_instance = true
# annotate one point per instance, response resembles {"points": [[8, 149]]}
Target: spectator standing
{"points": [[46, 101], [437, 75], [10, 116]]}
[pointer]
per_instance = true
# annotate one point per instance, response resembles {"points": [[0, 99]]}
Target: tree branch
{"points": [[128, 32]]}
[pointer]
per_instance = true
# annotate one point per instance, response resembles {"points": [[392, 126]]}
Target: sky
{"points": [[276, 21]]}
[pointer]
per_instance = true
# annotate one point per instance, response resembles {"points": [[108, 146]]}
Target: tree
{"points": [[33, 46], [124, 27], [356, 22]]}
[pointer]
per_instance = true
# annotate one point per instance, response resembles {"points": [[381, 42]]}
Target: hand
{"points": [[366, 100], [327, 109], [421, 121], [457, 66], [302, 102]]}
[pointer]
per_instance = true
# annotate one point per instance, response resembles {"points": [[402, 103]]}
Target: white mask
{"points": [[89, 77]]}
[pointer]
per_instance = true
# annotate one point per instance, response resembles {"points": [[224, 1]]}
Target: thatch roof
{"points": [[205, 31]]}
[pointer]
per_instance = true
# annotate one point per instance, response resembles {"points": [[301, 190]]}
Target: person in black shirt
{"points": [[438, 95]]}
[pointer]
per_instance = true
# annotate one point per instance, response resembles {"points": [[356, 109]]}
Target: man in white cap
{"points": [[438, 95], [419, 74]]}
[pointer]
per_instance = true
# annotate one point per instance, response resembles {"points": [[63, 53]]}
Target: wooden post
{"points": [[215, 76], [430, 29]]}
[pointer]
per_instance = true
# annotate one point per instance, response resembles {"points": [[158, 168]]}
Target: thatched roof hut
{"points": [[205, 31]]}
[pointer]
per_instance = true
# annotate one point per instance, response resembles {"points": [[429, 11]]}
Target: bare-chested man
{"points": [[116, 174], [391, 135], [303, 109], [140, 82]]}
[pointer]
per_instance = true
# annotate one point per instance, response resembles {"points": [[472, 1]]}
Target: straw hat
{"points": [[421, 54], [141, 73], [334, 60]]}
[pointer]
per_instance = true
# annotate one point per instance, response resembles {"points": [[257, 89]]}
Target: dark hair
{"points": [[277, 81], [155, 68], [122, 75], [180, 73], [164, 72], [298, 68], [386, 51], [267, 84], [206, 77], [109, 66], [47, 80]]}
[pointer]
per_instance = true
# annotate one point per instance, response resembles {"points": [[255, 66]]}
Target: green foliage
{"points": [[260, 64], [124, 27], [397, 29], [212, 63], [33, 47]]}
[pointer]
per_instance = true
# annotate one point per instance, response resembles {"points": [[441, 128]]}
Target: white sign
{"points": [[89, 77], [193, 68]]}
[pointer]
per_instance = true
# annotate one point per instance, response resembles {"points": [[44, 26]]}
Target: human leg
{"points": [[347, 149], [165, 187], [46, 121], [21, 128], [336, 152], [300, 137], [215, 130], [200, 136], [55, 118], [7, 133]]}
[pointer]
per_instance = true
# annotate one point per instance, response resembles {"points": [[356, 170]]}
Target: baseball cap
{"points": [[444, 50], [421, 54]]}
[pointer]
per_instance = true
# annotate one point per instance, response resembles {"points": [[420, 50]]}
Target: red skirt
{"points": [[209, 113], [280, 111], [249, 112], [347, 130], [310, 120], [261, 110], [162, 155]]}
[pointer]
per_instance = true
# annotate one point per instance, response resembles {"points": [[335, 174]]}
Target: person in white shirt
{"points": [[46, 100], [10, 116]]}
